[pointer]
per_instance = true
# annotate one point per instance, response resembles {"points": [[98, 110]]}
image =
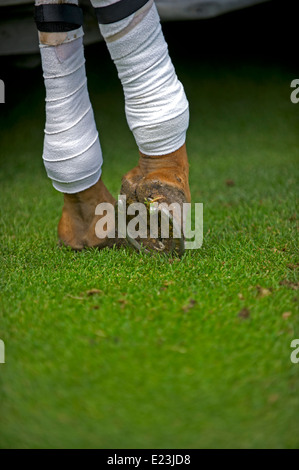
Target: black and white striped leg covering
{"points": [[72, 153], [155, 102]]}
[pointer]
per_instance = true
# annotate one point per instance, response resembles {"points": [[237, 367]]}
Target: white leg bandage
{"points": [[155, 102], [72, 153]]}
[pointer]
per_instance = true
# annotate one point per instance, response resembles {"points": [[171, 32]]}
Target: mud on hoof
{"points": [[167, 235]]}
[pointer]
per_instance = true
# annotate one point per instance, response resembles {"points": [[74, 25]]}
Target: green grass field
{"points": [[168, 353]]}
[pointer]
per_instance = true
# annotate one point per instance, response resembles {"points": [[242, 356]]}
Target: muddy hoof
{"points": [[157, 183]]}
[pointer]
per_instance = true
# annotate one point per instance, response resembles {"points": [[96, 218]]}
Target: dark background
{"points": [[262, 34]]}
